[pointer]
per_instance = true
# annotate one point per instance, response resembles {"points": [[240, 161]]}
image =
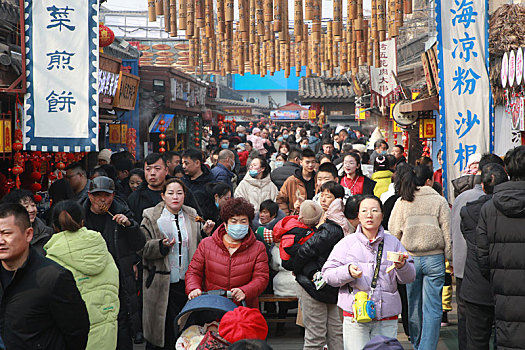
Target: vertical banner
{"points": [[382, 81], [465, 99], [61, 104]]}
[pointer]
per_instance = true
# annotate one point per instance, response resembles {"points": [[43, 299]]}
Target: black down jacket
{"points": [[311, 257], [501, 254], [475, 288]]}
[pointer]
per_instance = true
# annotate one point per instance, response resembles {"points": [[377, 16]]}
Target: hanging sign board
{"points": [[61, 103], [512, 68], [519, 66], [504, 70], [465, 98]]}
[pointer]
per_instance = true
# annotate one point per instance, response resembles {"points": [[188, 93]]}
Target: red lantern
{"points": [[38, 198], [106, 36], [197, 133], [197, 128], [162, 150], [35, 175], [162, 122], [36, 187], [162, 136], [162, 129], [162, 143], [52, 176], [17, 146], [17, 170], [61, 166]]}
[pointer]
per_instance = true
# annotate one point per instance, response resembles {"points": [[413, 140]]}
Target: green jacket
{"points": [[86, 255], [383, 178]]}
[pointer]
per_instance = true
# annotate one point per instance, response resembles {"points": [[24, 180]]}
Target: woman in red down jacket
{"points": [[231, 259]]}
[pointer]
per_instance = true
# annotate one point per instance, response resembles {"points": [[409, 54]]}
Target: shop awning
{"points": [[155, 124]]}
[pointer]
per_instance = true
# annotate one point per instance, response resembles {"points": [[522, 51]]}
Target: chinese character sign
{"points": [[61, 104], [382, 79], [464, 95]]}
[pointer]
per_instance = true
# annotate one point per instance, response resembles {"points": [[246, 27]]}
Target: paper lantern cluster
{"points": [[261, 42], [162, 136]]}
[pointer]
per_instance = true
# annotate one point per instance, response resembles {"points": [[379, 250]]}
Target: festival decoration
{"points": [[106, 36], [162, 136]]}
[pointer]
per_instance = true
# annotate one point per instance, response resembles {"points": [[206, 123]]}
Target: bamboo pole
{"points": [[256, 56], [287, 60], [182, 14], [316, 22], [190, 19], [152, 15], [271, 48], [268, 17], [352, 9], [173, 17], [399, 13], [284, 35], [243, 16], [297, 50], [166, 12], [220, 17], [309, 10], [407, 7], [208, 18], [259, 15], [277, 16], [241, 57], [344, 55], [159, 7], [228, 10], [304, 51], [277, 50], [338, 18], [298, 20], [199, 13], [329, 44], [253, 22]]}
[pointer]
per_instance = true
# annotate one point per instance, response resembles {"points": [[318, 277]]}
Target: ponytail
{"points": [[408, 179], [68, 216]]}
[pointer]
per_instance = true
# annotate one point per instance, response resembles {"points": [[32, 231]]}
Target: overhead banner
{"points": [[383, 84], [61, 104], [465, 99]]}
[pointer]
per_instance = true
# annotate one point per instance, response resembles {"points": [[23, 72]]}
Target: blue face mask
{"points": [[304, 146], [280, 139], [278, 164], [238, 231], [224, 145], [217, 205], [241, 134], [253, 173], [285, 136]]}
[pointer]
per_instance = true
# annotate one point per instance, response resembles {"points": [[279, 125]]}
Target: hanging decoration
{"points": [[162, 136], [260, 41]]}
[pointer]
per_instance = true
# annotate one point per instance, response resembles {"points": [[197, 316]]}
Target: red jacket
{"points": [[213, 268]]}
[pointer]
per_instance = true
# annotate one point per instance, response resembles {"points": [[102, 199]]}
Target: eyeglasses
{"points": [[373, 211]]}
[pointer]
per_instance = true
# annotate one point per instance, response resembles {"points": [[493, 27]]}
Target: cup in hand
{"points": [[396, 256]]}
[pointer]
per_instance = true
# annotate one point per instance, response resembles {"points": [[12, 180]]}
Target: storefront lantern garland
{"points": [[162, 136]]}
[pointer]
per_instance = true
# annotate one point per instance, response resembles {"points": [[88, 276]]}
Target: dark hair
{"points": [[174, 180], [401, 148], [170, 154], [110, 171], [18, 211], [193, 154], [17, 196], [302, 133], [369, 196], [99, 171], [357, 158], [77, 167], [283, 156], [381, 163], [409, 179], [378, 144], [124, 164], [249, 143], [250, 344], [138, 172], [352, 207], [488, 158], [218, 188], [320, 156], [294, 153], [153, 158], [327, 141], [178, 170], [237, 206], [269, 205], [391, 161], [515, 163], [423, 160], [328, 168], [118, 156], [307, 153], [304, 139], [61, 190], [68, 216], [334, 188], [492, 174], [264, 165]]}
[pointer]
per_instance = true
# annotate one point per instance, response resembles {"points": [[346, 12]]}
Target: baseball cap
{"points": [[102, 184]]}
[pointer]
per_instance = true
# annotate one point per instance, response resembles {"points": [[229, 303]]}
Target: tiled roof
{"points": [[321, 88], [223, 101]]}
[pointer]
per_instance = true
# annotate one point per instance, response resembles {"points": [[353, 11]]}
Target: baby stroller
{"points": [[198, 321]]}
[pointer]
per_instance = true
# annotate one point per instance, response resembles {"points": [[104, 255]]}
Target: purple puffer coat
{"points": [[356, 249]]}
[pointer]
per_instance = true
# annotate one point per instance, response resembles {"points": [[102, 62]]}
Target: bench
{"points": [[271, 298]]}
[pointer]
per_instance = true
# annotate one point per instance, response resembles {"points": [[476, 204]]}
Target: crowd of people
{"points": [[327, 216]]}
